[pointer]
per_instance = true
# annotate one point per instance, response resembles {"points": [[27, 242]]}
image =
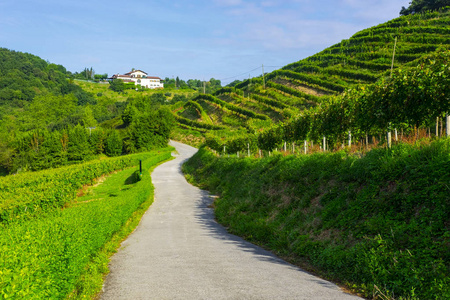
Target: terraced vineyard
{"points": [[312, 84]]}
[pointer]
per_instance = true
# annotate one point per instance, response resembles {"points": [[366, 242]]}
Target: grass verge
{"points": [[380, 223], [45, 257], [91, 280]]}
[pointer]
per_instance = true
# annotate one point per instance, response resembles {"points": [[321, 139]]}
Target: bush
{"points": [[113, 144]]}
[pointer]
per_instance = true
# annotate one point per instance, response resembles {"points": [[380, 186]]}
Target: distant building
{"points": [[140, 78]]}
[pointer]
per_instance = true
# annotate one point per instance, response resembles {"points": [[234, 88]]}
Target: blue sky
{"points": [[195, 39]]}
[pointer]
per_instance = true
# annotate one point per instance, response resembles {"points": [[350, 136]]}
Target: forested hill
{"points": [[363, 59], [23, 76], [37, 99], [48, 121]]}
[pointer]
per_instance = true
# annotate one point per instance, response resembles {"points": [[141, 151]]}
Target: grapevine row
{"points": [[231, 107]]}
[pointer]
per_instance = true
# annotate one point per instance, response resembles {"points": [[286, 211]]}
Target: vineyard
{"points": [[376, 223], [47, 236], [338, 162], [346, 92], [347, 176]]}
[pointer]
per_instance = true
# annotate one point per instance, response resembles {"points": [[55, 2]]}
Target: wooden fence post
{"points": [[349, 138], [388, 139], [447, 124], [437, 127]]}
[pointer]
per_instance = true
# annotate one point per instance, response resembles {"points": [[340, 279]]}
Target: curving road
{"points": [[178, 251]]}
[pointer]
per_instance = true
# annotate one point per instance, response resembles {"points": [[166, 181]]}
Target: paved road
{"points": [[178, 251]]}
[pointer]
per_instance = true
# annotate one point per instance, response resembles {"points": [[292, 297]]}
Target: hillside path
{"points": [[179, 251]]}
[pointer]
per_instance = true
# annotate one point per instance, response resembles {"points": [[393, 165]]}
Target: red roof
{"points": [[135, 71]]}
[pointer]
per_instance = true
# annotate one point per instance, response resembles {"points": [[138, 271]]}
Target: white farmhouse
{"points": [[140, 78]]}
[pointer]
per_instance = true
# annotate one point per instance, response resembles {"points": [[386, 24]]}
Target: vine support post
{"points": [[324, 144], [447, 124], [306, 147], [237, 154], [389, 139], [284, 146], [349, 138], [437, 127], [248, 149], [259, 150], [393, 56], [264, 80], [293, 148], [367, 141], [396, 134], [224, 150]]}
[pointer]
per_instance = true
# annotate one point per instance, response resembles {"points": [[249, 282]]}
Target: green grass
{"points": [[116, 185], [377, 223], [64, 251], [103, 88]]}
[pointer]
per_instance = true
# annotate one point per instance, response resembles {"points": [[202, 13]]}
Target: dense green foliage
{"points": [[47, 121], [43, 257], [42, 149], [417, 6], [207, 86], [43, 115], [380, 220], [24, 76]]}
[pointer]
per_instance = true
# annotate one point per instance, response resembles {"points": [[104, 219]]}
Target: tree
{"points": [[117, 85], [151, 129], [113, 144], [78, 145], [158, 99], [233, 83], [128, 114], [88, 118], [417, 6]]}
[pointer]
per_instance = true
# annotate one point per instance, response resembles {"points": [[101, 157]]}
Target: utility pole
{"points": [[248, 87], [393, 56], [264, 81]]}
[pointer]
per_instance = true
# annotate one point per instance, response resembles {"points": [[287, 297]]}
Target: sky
{"points": [[197, 39]]}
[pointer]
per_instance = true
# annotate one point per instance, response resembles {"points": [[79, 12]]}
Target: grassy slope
{"points": [[379, 223], [103, 88], [64, 251]]}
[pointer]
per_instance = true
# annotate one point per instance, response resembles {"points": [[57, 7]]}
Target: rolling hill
{"points": [[314, 82]]}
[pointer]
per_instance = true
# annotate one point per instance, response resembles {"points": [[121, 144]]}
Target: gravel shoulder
{"points": [[179, 251]]}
